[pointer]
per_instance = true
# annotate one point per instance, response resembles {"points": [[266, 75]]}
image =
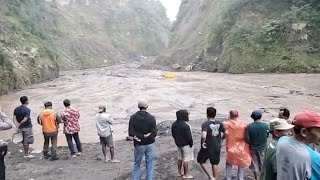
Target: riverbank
{"points": [[91, 165]]}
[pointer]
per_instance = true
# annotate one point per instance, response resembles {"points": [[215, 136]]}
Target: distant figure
{"points": [[284, 113], [22, 120], [70, 117], [182, 134], [237, 149], [49, 120], [213, 133], [256, 135], [143, 129], [104, 126], [296, 160], [278, 128], [5, 124]]}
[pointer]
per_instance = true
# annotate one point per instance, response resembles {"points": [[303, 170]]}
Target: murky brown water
{"points": [[120, 87]]}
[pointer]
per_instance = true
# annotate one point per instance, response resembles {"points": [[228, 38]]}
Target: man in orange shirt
{"points": [[49, 120], [238, 152]]}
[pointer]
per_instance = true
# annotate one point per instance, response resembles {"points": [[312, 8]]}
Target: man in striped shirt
{"points": [[70, 117]]}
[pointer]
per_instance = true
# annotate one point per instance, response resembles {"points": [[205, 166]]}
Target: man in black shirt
{"points": [[21, 118], [143, 129], [213, 132], [182, 134]]}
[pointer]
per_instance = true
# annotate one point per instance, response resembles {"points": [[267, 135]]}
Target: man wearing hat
{"points": [[256, 136], [143, 129], [295, 158], [104, 128], [278, 128]]}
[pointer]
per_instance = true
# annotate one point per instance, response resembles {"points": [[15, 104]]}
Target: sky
{"points": [[172, 7]]}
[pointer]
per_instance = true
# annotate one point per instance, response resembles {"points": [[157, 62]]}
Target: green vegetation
{"points": [[137, 26], [255, 35], [37, 38], [25, 29]]}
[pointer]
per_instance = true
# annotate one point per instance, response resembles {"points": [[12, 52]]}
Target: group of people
{"points": [[289, 155], [49, 121]]}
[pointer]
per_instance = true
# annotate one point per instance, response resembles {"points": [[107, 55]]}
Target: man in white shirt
{"points": [[104, 127]]}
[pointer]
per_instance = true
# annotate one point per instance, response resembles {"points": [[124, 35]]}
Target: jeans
{"points": [[75, 137], [54, 141], [139, 152], [240, 175], [3, 152]]}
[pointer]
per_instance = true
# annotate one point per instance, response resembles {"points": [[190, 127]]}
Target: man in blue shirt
{"points": [[21, 118], [256, 136], [296, 160]]}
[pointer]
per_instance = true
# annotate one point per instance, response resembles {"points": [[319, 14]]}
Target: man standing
{"points": [[104, 127], [296, 160], [70, 117], [278, 128], [49, 121], [22, 120], [237, 149], [5, 124], [143, 129], [182, 134], [212, 134], [256, 136]]}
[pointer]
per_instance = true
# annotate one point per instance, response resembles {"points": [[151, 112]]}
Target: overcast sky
{"points": [[172, 7]]}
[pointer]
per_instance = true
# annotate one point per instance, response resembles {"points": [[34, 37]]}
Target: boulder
{"points": [[189, 68], [176, 67]]}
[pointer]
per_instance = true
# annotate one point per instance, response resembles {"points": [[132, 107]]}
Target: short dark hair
{"points": [[23, 99], [142, 108], [297, 129], [66, 102], [284, 112], [48, 104], [211, 112]]}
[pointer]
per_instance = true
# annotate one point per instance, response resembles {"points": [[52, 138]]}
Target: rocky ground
{"points": [[92, 166]]}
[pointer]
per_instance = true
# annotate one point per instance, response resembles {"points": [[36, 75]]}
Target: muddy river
{"points": [[120, 87]]}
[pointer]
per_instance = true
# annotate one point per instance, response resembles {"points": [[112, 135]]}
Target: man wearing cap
{"points": [[256, 136], [278, 128], [104, 127], [143, 129], [296, 160], [49, 120]]}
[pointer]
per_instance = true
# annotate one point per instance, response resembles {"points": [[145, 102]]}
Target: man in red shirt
{"points": [[70, 117]]}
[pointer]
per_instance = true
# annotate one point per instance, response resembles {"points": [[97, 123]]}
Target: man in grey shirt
{"points": [[296, 160]]}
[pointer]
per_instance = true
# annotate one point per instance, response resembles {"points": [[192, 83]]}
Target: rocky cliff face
{"points": [[38, 38], [247, 35]]}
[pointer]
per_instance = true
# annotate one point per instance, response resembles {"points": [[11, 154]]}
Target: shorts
{"points": [[257, 160], [185, 153], [27, 136], [107, 141], [205, 154]]}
